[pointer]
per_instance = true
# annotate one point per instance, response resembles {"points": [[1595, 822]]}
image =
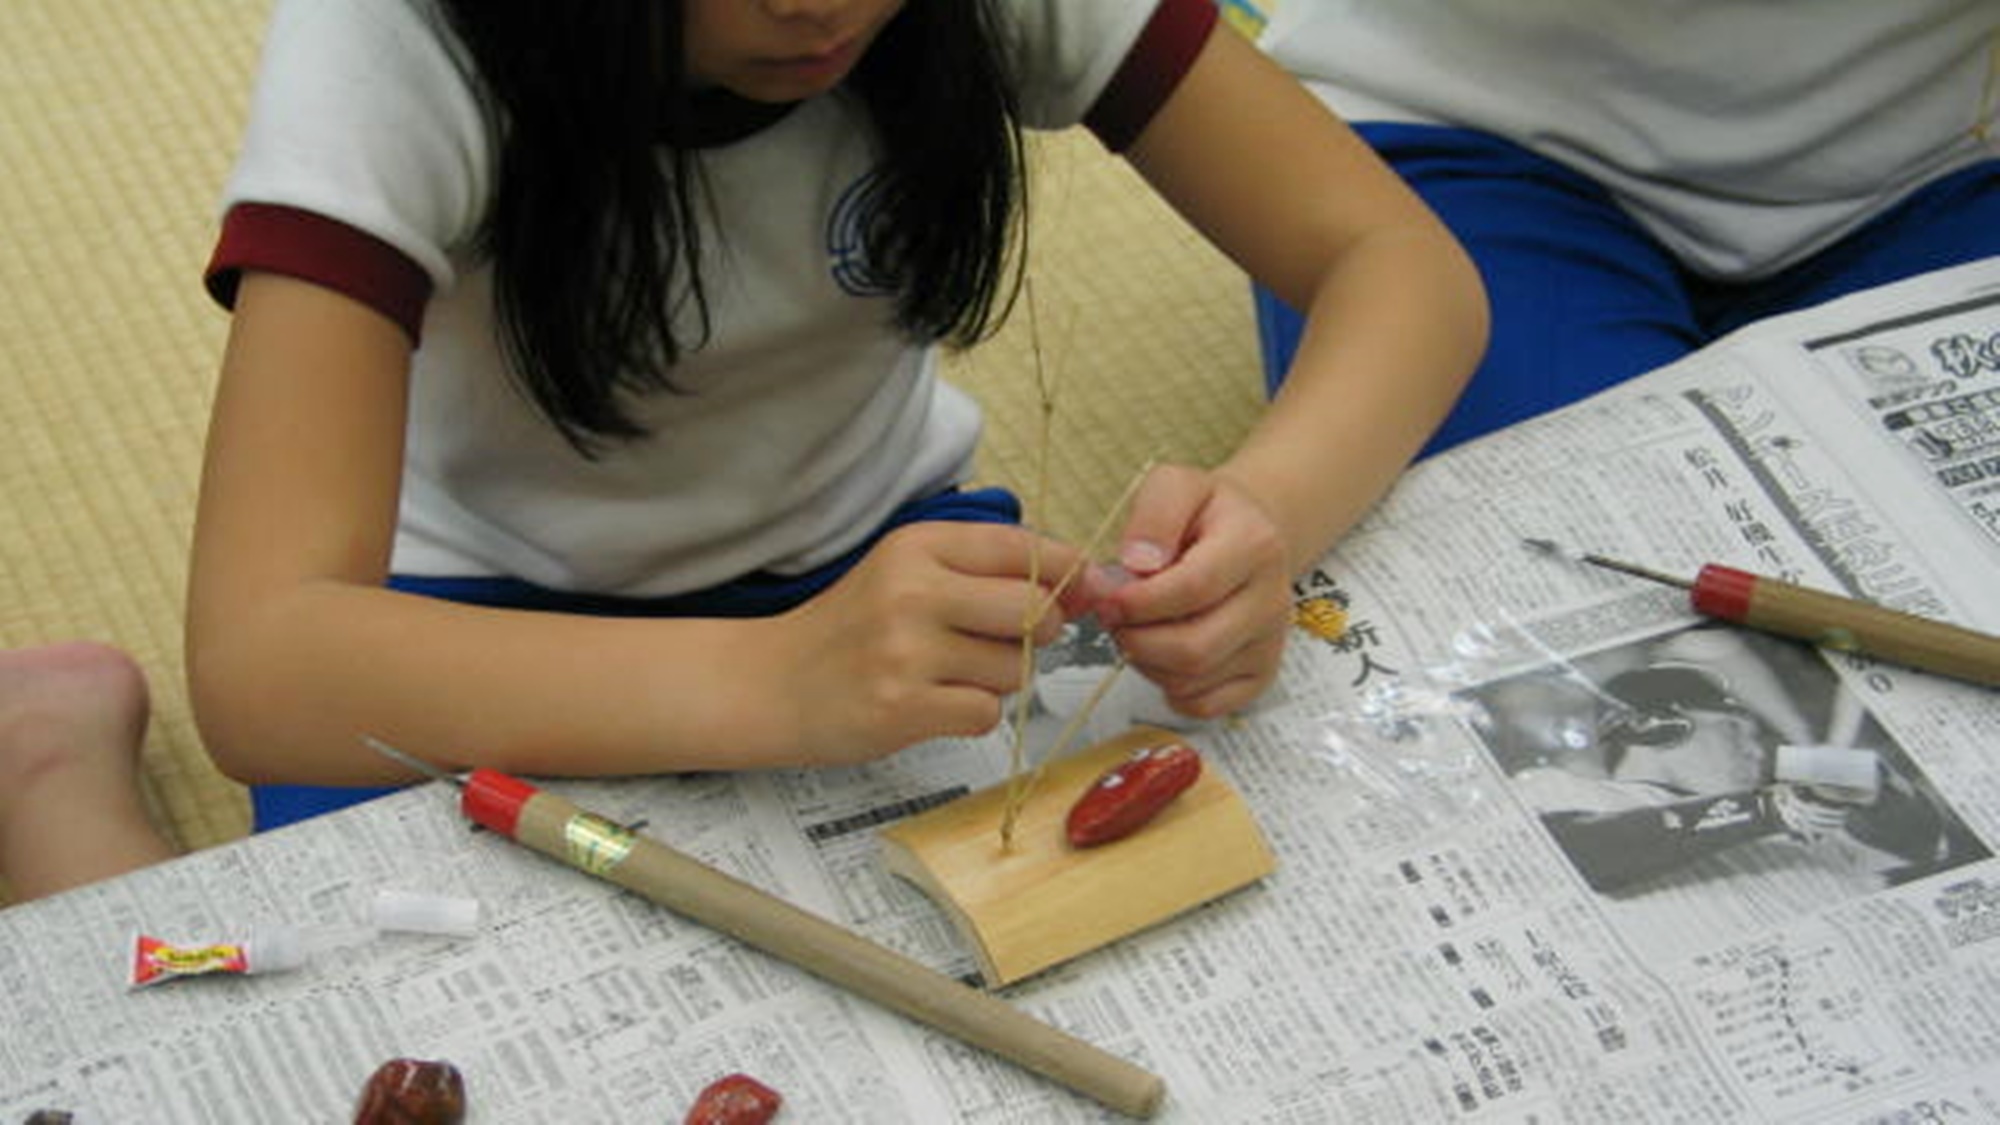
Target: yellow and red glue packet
{"points": [[274, 950], [277, 948]]}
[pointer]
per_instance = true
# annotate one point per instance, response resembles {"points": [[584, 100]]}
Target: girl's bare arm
{"points": [[1396, 322], [295, 648], [1396, 312]]}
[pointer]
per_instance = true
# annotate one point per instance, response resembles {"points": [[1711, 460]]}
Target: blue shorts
{"points": [[1583, 298], [756, 595]]}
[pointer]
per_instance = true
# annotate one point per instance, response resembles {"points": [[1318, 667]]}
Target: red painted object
{"points": [[412, 1092], [735, 1099], [1132, 793]]}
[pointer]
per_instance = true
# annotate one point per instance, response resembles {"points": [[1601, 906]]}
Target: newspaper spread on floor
{"points": [[1547, 848]]}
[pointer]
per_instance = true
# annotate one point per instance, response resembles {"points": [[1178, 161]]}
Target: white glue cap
{"points": [[1841, 766], [411, 912]]}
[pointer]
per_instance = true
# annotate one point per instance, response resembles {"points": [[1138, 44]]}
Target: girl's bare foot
{"points": [[72, 720]]}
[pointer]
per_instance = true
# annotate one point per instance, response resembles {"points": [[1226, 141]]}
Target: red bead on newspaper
{"points": [[734, 1099]]}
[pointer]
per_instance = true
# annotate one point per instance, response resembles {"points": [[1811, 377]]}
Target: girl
{"points": [[579, 413]]}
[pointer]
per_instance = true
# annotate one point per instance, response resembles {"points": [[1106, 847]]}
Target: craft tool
{"points": [[1829, 620], [614, 852]]}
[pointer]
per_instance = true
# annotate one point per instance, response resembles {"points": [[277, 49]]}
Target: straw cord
{"points": [[1017, 755], [1020, 780], [1982, 126]]}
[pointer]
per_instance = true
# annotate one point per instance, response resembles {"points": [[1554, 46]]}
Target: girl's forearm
{"points": [[284, 692], [1392, 332], [1396, 316]]}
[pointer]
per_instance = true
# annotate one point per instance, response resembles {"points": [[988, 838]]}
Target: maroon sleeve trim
{"points": [[1155, 65], [312, 247]]}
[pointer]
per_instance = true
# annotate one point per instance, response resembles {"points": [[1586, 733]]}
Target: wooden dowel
{"points": [[560, 829]]}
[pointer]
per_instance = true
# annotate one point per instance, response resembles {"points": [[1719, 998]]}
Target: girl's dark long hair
{"points": [[594, 229]]}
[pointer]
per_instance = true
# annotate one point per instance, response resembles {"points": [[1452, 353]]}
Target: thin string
{"points": [[1017, 754], [1095, 541], [1069, 731], [1982, 127], [1020, 780]]}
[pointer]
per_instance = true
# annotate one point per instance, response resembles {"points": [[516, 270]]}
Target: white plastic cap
{"points": [[1841, 766], [274, 949], [411, 912]]}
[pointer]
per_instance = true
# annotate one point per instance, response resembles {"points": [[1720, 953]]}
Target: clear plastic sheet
{"points": [[1646, 756]]}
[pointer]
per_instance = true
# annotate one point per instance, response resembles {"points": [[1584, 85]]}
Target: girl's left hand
{"points": [[1209, 608]]}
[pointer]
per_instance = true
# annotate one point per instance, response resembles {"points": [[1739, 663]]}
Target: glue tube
{"points": [[273, 949], [280, 948]]}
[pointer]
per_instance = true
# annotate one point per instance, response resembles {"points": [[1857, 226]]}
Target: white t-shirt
{"points": [[1744, 134], [367, 167]]}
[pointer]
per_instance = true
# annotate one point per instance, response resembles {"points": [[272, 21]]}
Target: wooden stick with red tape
{"points": [[595, 845]]}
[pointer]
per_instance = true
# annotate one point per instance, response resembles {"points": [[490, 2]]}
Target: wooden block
{"points": [[1044, 902]]}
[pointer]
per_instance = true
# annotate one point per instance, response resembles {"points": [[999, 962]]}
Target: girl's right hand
{"points": [[921, 639]]}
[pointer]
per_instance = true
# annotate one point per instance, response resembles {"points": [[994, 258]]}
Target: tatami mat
{"points": [[1145, 332], [117, 122]]}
